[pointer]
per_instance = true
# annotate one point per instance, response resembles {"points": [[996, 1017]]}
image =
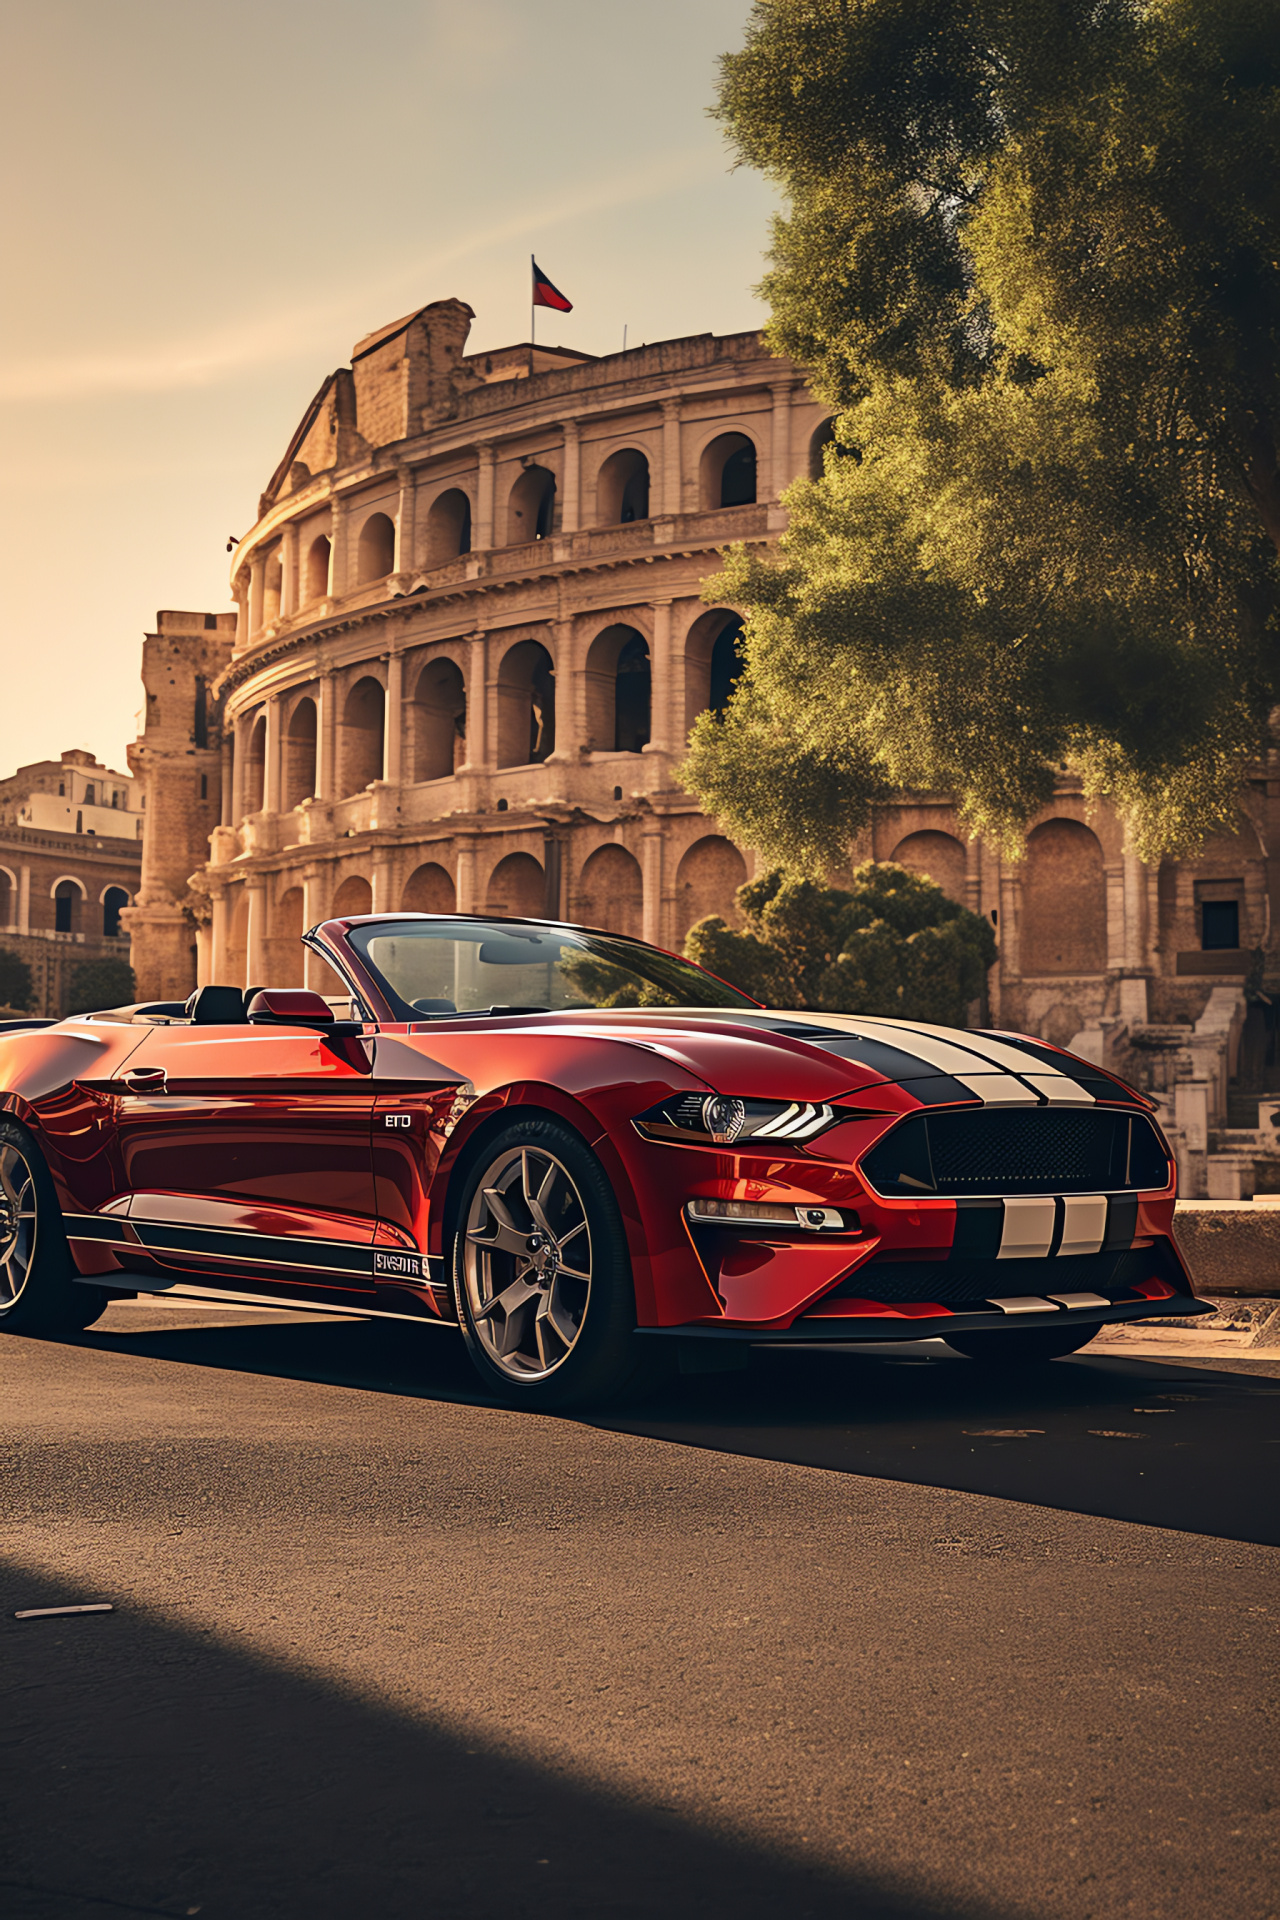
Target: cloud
{"points": [[202, 359]]}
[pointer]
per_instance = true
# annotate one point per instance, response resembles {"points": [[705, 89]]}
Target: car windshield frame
{"points": [[601, 951]]}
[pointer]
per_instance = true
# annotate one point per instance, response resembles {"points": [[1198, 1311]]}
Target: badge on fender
{"points": [[395, 1265]]}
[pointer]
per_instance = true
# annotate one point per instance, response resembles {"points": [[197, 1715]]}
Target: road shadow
{"points": [[157, 1771], [1198, 1456]]}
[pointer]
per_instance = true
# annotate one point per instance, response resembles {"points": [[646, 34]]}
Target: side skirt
{"points": [[227, 1296]]}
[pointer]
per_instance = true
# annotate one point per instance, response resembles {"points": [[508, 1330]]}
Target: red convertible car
{"points": [[585, 1154]]}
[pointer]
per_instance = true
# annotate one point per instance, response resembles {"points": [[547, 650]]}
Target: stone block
{"points": [[1231, 1247]]}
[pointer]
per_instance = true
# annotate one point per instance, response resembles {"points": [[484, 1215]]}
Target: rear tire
{"points": [[1022, 1346], [541, 1273], [38, 1294]]}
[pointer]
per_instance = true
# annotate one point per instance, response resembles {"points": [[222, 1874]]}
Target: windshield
{"points": [[475, 966]]}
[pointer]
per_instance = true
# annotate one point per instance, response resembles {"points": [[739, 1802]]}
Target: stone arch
{"points": [[517, 888], [610, 892], [939, 856], [353, 897], [68, 895], [376, 551], [316, 575], [622, 488], [429, 889], [300, 754], [1064, 901], [363, 722], [112, 901], [526, 705], [619, 685], [285, 954], [438, 721], [707, 878], [713, 660], [531, 506], [255, 765], [727, 471], [820, 439], [448, 527]]}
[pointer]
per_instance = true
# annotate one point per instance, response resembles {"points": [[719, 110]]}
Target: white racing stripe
{"points": [[1053, 1083], [1084, 1227], [1061, 1091], [998, 1089], [1028, 1228], [1022, 1304]]}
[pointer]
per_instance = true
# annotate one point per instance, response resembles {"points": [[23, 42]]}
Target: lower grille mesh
{"points": [[952, 1281]]}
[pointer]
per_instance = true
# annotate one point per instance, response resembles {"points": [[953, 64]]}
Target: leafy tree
{"points": [[1032, 258], [894, 943], [17, 988], [100, 983]]}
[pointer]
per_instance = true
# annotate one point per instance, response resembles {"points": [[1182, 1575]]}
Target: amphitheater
{"points": [[469, 642]]}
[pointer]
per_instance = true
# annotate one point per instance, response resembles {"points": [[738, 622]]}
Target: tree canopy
{"points": [[892, 943], [1031, 259], [17, 988], [95, 984]]}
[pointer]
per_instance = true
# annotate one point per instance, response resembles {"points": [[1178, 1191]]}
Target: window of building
{"points": [[1219, 925], [90, 795], [112, 900], [200, 721], [204, 786]]}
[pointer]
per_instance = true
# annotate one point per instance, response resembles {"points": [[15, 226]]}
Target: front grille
{"points": [[1037, 1150], [973, 1282]]}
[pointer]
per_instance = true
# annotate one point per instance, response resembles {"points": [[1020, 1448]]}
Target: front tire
{"points": [[541, 1273], [1023, 1346], [38, 1294]]}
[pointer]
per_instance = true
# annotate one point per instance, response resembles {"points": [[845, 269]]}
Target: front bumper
{"points": [[852, 1329]]}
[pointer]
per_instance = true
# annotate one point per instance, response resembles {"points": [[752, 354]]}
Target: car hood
{"points": [[823, 1056]]}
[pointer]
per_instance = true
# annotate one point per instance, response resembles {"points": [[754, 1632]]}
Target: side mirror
{"points": [[289, 1007]]}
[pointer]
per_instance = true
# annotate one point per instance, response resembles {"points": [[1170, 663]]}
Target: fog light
{"points": [[749, 1213]]}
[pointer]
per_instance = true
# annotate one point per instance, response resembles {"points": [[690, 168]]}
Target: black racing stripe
{"points": [[1122, 1222], [940, 1090], [895, 1063], [95, 1226], [979, 1227], [315, 1256]]}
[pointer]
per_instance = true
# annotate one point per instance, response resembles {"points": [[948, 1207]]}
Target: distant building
{"points": [[70, 857], [469, 647]]}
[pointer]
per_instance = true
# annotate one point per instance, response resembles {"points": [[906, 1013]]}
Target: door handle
{"points": [[146, 1080]]}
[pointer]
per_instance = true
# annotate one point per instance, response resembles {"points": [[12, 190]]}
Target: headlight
{"points": [[715, 1120]]}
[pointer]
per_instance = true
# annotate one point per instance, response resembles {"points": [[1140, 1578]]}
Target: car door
{"points": [[247, 1155]]}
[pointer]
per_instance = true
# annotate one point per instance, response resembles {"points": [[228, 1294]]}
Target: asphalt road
{"points": [[856, 1636]]}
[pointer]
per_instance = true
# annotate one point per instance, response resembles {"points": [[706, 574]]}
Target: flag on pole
{"points": [[545, 295]]}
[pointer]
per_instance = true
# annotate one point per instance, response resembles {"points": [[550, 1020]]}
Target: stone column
{"points": [[257, 575], [571, 506], [326, 729], [242, 610], [314, 971], [484, 498], [780, 449], [381, 882], [393, 722], [670, 491], [571, 699], [973, 876], [256, 935], [227, 795], [477, 704], [1133, 988], [661, 688], [337, 547], [289, 572], [219, 930], [237, 777], [24, 899], [1117, 941], [271, 770], [406, 544], [1009, 929], [651, 850], [468, 856]]}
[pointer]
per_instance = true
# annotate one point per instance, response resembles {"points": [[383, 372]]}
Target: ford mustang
{"points": [[585, 1155]]}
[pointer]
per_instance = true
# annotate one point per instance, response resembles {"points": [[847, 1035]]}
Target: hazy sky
{"points": [[208, 204]]}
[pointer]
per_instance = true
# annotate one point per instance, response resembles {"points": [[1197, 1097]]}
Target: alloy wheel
{"points": [[17, 1223], [527, 1263]]}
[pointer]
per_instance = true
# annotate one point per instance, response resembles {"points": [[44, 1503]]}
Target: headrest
{"points": [[216, 1007]]}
